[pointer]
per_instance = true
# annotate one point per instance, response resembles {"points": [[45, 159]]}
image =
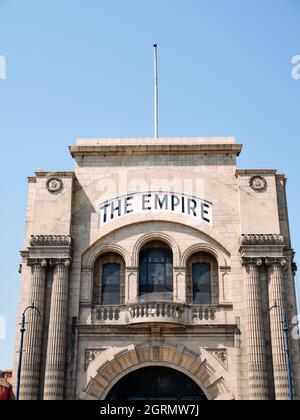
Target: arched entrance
{"points": [[156, 383], [114, 365]]}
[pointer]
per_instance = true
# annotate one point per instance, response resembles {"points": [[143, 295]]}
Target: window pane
{"points": [[201, 276], [111, 276], [156, 273]]}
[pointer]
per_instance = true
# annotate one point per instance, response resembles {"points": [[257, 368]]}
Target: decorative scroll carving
{"points": [[260, 261], [270, 261], [262, 239], [252, 261], [54, 185], [66, 262], [155, 331], [156, 353], [37, 261], [155, 341], [220, 355], [91, 355], [50, 240], [258, 183]]}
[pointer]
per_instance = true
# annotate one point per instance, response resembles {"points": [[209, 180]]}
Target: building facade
{"points": [[160, 271]]}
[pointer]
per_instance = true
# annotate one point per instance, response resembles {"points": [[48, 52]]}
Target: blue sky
{"points": [[83, 68]]}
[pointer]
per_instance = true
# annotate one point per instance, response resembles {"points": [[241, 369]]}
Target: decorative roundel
{"points": [[258, 183], [54, 185]]}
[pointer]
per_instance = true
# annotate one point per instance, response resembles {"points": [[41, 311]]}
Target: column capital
{"points": [[132, 269], [65, 262], [246, 261], [275, 261], [180, 269], [40, 262]]}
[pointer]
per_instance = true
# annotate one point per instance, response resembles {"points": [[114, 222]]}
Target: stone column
{"points": [[56, 349], [256, 346], [276, 297], [30, 377]]}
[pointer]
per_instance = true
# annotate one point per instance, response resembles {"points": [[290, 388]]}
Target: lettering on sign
{"points": [[156, 202]]}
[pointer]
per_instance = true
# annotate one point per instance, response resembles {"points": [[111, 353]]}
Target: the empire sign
{"points": [[156, 202]]}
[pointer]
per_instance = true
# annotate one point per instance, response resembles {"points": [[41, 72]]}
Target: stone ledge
{"points": [[256, 172], [50, 240], [262, 239], [155, 149]]}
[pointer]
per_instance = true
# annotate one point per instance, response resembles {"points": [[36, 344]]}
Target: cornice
{"points": [[50, 241], [262, 240], [155, 149], [255, 172], [44, 174]]}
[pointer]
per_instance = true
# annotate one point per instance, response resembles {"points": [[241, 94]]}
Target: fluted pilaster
{"points": [[30, 378], [56, 350], [277, 302], [257, 366]]}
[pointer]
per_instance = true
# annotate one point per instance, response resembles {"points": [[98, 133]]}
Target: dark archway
{"points": [[156, 383]]}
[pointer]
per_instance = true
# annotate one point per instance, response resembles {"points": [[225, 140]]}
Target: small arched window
{"points": [[156, 272], [109, 279], [202, 279]]}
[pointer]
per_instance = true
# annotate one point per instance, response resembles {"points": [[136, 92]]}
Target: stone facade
{"points": [[232, 347]]}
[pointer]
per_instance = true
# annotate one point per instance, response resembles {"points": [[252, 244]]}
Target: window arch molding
{"points": [[95, 251], [222, 257], [152, 237]]}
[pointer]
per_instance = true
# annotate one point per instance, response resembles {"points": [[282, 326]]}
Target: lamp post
{"points": [[22, 330], [285, 323]]}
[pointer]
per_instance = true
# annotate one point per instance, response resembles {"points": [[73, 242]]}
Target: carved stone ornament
{"points": [[262, 239], [91, 355], [255, 261], [220, 355], [258, 262], [54, 185], [156, 353], [258, 183], [278, 261], [50, 240], [65, 262], [155, 340], [41, 262]]}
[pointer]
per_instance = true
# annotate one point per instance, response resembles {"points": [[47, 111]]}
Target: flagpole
{"points": [[155, 92]]}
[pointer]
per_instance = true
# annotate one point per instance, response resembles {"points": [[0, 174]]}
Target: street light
{"points": [[22, 330], [285, 323]]}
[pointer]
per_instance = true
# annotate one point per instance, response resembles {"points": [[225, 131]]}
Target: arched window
{"points": [[202, 279], [156, 272], [109, 279]]}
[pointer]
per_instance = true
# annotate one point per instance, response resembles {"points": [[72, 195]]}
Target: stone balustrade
{"points": [[157, 312], [108, 313], [163, 312]]}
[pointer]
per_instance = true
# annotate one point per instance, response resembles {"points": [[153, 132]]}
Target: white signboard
{"points": [[156, 202]]}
